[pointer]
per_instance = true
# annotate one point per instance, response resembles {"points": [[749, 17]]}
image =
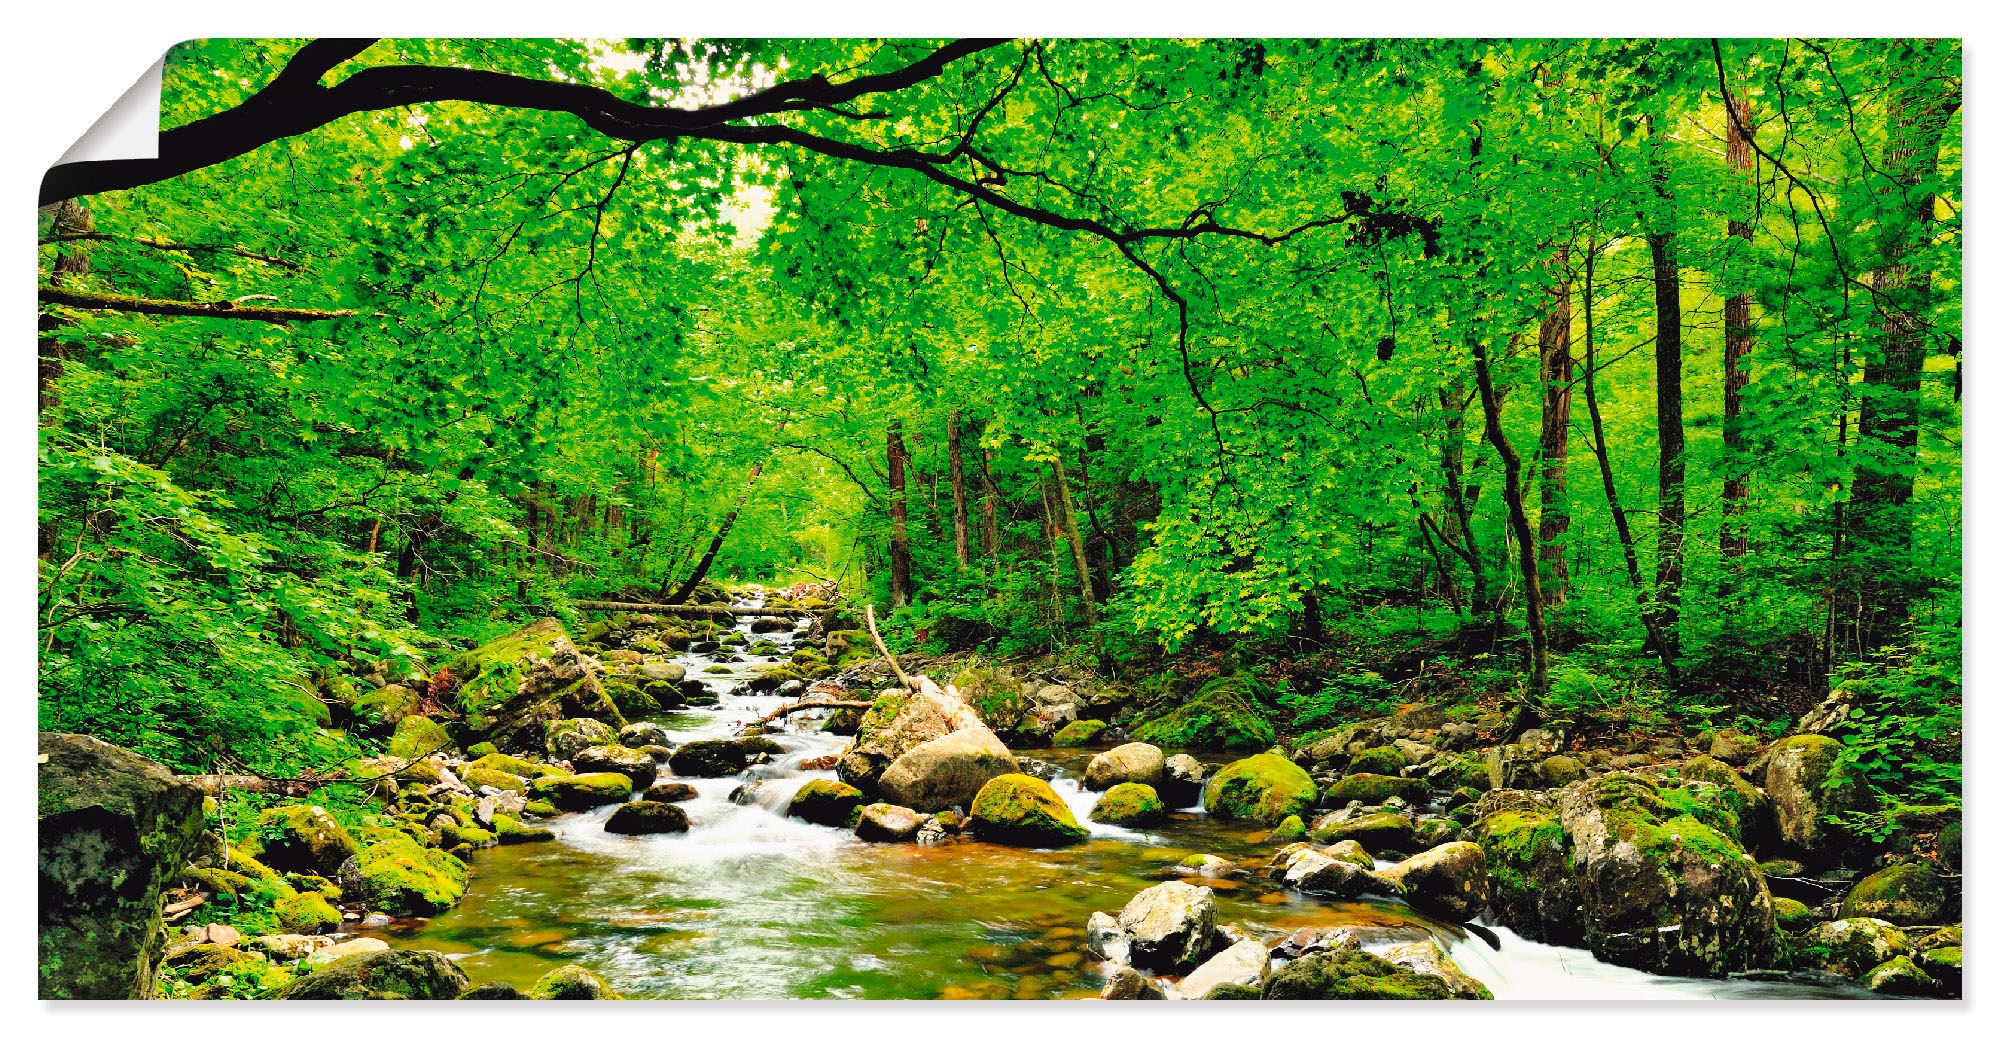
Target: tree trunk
{"points": [[1738, 333], [989, 500], [899, 520], [958, 517], [1557, 372], [1672, 514], [1879, 539], [715, 543], [1524, 535], [1075, 543], [1463, 500]]}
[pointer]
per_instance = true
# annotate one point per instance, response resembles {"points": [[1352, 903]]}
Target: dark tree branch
{"points": [[83, 300]]}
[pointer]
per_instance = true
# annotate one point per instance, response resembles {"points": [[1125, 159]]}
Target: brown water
{"points": [[751, 904]]}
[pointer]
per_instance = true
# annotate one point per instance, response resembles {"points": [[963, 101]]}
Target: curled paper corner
{"points": [[129, 129]]}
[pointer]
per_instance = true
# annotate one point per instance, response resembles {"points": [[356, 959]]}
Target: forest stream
{"points": [[752, 904]]}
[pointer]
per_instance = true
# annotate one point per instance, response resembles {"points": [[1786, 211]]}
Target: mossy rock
{"points": [[1808, 781], [1350, 975], [1078, 733], [301, 838], [1218, 718], [383, 974], [515, 766], [1852, 947], [715, 758], [566, 737], [1291, 830], [455, 837], [1382, 760], [481, 749], [476, 777], [521, 679], [1899, 976], [1134, 805], [1791, 916], [418, 736], [646, 818], [493, 991], [385, 707], [197, 964], [402, 878], [1378, 832], [1910, 894], [512, 830], [307, 913], [1263, 788], [1023, 811], [827, 802], [1374, 789], [572, 983], [579, 792]]}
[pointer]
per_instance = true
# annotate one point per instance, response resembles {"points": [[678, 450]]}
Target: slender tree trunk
{"points": [[1075, 543], [1524, 534], [958, 517], [1738, 334], [1672, 514], [989, 503], [1879, 539], [1619, 520], [1557, 373], [899, 520], [715, 543], [1463, 501]]}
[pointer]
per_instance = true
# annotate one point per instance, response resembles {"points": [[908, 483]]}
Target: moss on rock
{"points": [[307, 913], [1130, 804], [1078, 733], [572, 983], [1374, 789], [1220, 717], [827, 802], [1350, 975], [1022, 810], [1382, 760], [417, 736], [1909, 894], [577, 792], [300, 838], [402, 878], [383, 974], [1264, 788]]}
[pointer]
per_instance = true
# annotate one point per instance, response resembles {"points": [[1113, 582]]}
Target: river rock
{"points": [[1181, 779], [643, 734], [516, 684], [672, 673], [300, 838], [645, 818], [580, 792], [638, 766], [343, 949], [1131, 804], [572, 983], [1106, 939], [567, 737], [896, 723], [1263, 788], [114, 830], [383, 974], [1899, 976], [1127, 984], [1852, 947], [1910, 894], [1615, 867], [1169, 927], [1023, 810], [1346, 974], [1244, 962], [1424, 957], [670, 793], [1138, 762], [1378, 831], [1448, 881], [947, 771], [715, 758], [889, 823], [1806, 782], [1316, 873], [826, 802]]}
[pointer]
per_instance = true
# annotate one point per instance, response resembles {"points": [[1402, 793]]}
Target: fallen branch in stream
{"points": [[216, 785], [824, 704], [884, 650], [691, 610]]}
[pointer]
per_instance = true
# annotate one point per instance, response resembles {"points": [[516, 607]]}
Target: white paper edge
{"points": [[129, 129]]}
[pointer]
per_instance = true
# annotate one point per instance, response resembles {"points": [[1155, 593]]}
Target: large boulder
{"points": [[1263, 788], [646, 818], [1169, 927], [1131, 804], [566, 737], [401, 877], [1181, 779], [827, 802], [581, 792], [1022, 810], [512, 686], [114, 830], [1218, 718], [1807, 782], [383, 974], [1610, 863], [418, 736], [1348, 974], [1375, 789], [1448, 880], [715, 758], [1244, 963], [1852, 947], [1425, 957], [895, 724], [947, 771], [300, 838], [1132, 762], [1314, 872], [1910, 894], [636, 765]]}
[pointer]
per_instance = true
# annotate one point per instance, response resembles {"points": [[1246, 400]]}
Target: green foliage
{"points": [[1338, 699]]}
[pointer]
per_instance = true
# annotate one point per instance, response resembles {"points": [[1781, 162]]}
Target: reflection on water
{"points": [[751, 904]]}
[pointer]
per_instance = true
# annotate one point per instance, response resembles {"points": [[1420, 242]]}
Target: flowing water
{"points": [[751, 904]]}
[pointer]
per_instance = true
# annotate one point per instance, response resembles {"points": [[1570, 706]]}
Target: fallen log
{"points": [[693, 610], [824, 704]]}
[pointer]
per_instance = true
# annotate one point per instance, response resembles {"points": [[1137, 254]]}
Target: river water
{"points": [[751, 904]]}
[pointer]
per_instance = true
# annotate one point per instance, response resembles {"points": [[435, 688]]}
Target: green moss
{"points": [[1909, 894], [1264, 788], [1218, 718], [1791, 916], [1382, 760], [481, 749], [300, 838], [1350, 975], [1023, 810], [1292, 829], [515, 766], [476, 777], [307, 913], [572, 983], [402, 878], [512, 830], [1078, 733], [1131, 804], [827, 802], [1374, 789], [1518, 846], [386, 706], [417, 736], [576, 792], [393, 974]]}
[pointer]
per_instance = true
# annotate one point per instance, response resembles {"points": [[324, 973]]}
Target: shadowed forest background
{"points": [[1617, 380]]}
